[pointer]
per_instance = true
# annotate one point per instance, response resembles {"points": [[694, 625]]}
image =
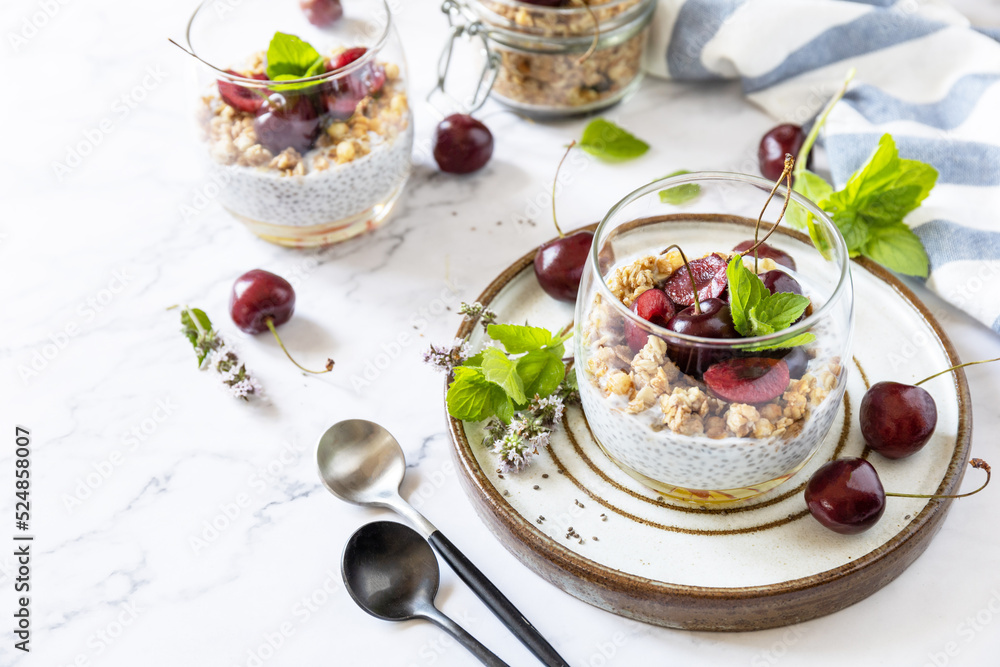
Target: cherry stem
{"points": [[786, 175], [270, 325], [566, 329], [597, 33], [975, 463], [694, 287], [955, 368], [555, 182]]}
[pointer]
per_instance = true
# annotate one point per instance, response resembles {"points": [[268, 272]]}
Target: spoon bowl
{"points": [[360, 462], [390, 571]]}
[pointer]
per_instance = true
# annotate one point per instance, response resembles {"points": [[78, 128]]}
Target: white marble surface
{"points": [[93, 260]]}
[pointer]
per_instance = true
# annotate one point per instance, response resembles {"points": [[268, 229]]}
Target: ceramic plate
{"points": [[592, 530]]}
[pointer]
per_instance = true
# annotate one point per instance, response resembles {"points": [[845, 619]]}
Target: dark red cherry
{"points": [[287, 121], [778, 141], [243, 98], [846, 496], [341, 95], [748, 380], [778, 281], [897, 419], [709, 278], [559, 264], [714, 321], [652, 306], [462, 144], [766, 251], [257, 296], [322, 13]]}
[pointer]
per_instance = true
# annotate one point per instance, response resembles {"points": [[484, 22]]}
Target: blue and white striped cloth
{"points": [[923, 74]]}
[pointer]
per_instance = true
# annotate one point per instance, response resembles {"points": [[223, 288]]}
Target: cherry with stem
{"points": [[262, 301], [786, 175]]}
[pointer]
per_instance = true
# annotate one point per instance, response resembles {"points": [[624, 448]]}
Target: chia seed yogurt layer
{"points": [[668, 425]]}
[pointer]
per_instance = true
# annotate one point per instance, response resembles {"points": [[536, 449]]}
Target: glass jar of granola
{"points": [[307, 128], [563, 58], [676, 390]]}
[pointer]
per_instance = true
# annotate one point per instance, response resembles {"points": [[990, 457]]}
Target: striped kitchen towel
{"points": [[923, 74]]}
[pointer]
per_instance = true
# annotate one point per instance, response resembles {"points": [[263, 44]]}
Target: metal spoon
{"points": [[360, 462], [391, 573]]}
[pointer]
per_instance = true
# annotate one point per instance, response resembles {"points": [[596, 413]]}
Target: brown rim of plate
{"points": [[624, 585]]}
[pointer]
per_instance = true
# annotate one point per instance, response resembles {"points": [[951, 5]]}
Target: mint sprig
{"points": [[496, 382], [607, 141], [757, 312], [870, 209], [289, 58]]}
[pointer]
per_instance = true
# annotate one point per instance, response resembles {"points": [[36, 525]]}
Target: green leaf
{"points": [[880, 194], [745, 291], [896, 247], [517, 339], [500, 370], [607, 141], [474, 361], [781, 309], [196, 325], [680, 194], [289, 57], [471, 397], [541, 371]]}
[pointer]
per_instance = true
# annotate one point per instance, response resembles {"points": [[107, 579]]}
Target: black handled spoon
{"points": [[391, 573], [360, 462]]}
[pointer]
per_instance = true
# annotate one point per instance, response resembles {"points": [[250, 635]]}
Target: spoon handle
{"points": [[486, 656], [496, 601]]}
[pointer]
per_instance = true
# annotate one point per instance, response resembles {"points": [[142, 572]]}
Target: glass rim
{"points": [[672, 181], [319, 78]]}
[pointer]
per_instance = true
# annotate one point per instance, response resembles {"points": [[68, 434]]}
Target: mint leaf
{"points": [[197, 328], [745, 291], [896, 247], [781, 309], [500, 370], [605, 140], [880, 194], [680, 194], [541, 371], [471, 397], [289, 57], [517, 339]]}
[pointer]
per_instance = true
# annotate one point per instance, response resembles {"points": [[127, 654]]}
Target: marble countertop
{"points": [[137, 455]]}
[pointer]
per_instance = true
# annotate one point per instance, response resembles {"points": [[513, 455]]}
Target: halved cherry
{"points": [[748, 379], [341, 96], [243, 98], [709, 278], [652, 306]]}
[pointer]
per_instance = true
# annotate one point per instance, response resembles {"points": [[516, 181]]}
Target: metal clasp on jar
{"points": [[463, 23]]}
